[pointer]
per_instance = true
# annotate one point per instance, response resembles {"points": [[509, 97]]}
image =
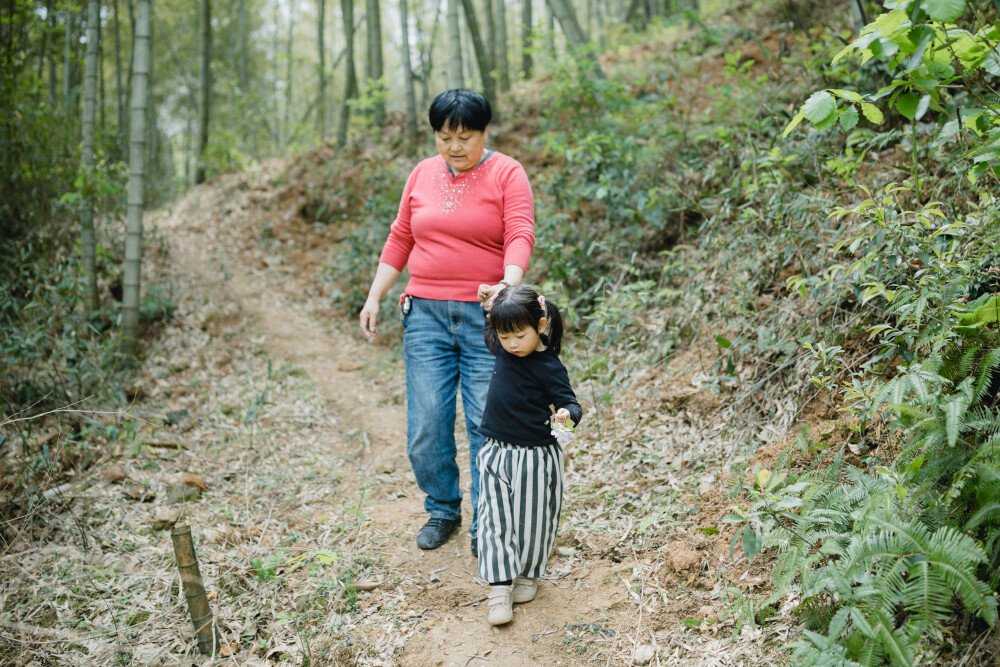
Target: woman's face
{"points": [[462, 149]]}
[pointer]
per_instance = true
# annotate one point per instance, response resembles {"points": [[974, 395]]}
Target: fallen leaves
{"points": [[115, 473]]}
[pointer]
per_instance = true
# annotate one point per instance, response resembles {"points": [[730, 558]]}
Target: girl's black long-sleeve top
{"points": [[521, 392]]}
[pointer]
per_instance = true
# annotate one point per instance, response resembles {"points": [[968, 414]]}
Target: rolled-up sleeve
{"points": [[518, 219]]}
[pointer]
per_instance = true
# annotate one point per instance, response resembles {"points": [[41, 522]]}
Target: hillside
{"points": [[713, 347]]}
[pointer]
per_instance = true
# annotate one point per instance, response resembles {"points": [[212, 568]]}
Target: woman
{"points": [[465, 230]]}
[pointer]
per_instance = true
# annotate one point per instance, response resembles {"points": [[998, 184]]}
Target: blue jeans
{"points": [[443, 348]]}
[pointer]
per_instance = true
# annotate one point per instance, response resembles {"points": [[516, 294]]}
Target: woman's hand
{"points": [[384, 277], [486, 292], [369, 315], [562, 414]]}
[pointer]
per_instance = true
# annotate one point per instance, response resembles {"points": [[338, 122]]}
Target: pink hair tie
{"points": [[541, 302], [493, 298]]}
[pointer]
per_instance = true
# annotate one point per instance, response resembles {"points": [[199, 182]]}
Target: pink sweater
{"points": [[454, 233]]}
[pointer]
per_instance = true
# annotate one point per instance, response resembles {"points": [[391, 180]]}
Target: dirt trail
{"points": [[444, 582], [609, 590]]}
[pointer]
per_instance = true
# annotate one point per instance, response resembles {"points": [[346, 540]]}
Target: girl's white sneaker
{"points": [[524, 589], [500, 601]]}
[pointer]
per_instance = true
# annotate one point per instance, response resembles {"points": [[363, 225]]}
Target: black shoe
{"points": [[474, 547], [436, 532]]}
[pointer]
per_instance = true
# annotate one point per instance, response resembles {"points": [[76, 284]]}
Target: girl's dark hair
{"points": [[460, 108], [517, 308]]}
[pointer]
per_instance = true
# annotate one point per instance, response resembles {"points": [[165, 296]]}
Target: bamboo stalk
{"points": [[194, 590]]}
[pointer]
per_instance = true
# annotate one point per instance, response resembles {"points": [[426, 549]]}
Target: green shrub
{"points": [[373, 204], [879, 555]]}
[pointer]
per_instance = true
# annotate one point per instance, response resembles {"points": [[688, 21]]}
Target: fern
{"points": [[989, 366]]}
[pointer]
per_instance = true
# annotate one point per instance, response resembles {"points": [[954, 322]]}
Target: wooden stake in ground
{"points": [[194, 590]]}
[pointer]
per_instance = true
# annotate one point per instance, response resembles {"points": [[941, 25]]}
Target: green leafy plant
{"points": [[882, 558], [933, 62], [266, 568]]}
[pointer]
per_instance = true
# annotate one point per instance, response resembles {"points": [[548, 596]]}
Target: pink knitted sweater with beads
{"points": [[455, 232]]}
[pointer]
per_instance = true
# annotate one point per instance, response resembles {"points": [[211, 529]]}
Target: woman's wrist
{"points": [[506, 282]]}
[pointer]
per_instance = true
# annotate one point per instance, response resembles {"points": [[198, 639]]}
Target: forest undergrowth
{"points": [[787, 337]]}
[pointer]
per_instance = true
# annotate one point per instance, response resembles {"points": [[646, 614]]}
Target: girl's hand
{"points": [[562, 426]]}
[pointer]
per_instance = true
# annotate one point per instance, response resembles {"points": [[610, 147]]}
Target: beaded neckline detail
{"points": [[452, 190]]}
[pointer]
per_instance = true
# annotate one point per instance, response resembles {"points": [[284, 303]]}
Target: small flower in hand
{"points": [[563, 432]]}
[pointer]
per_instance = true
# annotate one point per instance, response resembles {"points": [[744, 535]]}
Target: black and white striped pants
{"points": [[520, 498]]}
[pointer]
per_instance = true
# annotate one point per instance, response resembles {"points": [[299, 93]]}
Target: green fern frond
{"points": [[981, 420], [868, 650], [899, 650], [987, 471], [990, 365], [817, 650], [955, 556], [911, 413], [925, 596], [936, 516], [988, 513], [954, 412], [965, 365]]}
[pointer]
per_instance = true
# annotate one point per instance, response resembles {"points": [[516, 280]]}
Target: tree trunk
{"points": [[859, 15], [131, 57], [152, 138], [189, 119], [194, 590], [373, 21], [503, 65], [321, 112], [204, 86], [100, 74], [68, 58], [87, 244], [491, 38], [275, 106], [411, 100], [550, 33], [427, 56], [468, 57], [636, 14], [575, 38], [589, 8], [526, 33], [455, 79], [136, 184], [119, 88], [43, 51], [480, 48], [288, 82], [243, 46], [350, 78], [51, 49], [598, 33]]}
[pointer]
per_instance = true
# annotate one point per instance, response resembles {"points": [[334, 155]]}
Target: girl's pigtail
{"points": [[555, 331]]}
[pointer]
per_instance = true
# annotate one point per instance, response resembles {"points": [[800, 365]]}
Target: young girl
{"points": [[521, 463]]}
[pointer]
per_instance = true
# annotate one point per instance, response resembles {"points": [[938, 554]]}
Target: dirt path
{"points": [[443, 582], [607, 592], [266, 423]]}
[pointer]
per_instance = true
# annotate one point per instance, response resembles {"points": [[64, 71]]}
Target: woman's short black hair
{"points": [[460, 108]]}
